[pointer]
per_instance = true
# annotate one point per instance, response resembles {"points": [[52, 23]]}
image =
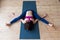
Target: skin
{"points": [[29, 13]]}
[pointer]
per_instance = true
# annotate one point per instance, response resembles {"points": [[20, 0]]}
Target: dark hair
{"points": [[29, 26]]}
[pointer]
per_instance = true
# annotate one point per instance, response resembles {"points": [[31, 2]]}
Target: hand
{"points": [[36, 20], [20, 19], [45, 15], [8, 24]]}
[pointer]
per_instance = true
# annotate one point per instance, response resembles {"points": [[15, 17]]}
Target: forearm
{"points": [[35, 21], [23, 21]]}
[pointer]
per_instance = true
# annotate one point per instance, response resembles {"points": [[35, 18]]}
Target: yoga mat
{"points": [[25, 34]]}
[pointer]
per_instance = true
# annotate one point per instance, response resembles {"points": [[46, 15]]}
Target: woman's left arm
{"points": [[34, 21]]}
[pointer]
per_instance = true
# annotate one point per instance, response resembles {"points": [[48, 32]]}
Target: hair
{"points": [[29, 26]]}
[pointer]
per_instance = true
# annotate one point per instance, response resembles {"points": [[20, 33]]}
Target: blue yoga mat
{"points": [[24, 34]]}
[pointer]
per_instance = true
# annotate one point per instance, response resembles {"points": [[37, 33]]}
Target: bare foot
{"points": [[51, 27]]}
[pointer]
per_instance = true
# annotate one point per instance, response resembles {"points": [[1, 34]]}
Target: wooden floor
{"points": [[9, 7]]}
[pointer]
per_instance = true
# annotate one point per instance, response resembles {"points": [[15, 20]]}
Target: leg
{"points": [[38, 17], [19, 17]]}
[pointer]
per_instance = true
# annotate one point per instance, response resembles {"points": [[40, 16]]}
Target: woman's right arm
{"points": [[23, 21]]}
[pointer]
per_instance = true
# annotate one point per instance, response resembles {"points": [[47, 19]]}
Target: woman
{"points": [[29, 18]]}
